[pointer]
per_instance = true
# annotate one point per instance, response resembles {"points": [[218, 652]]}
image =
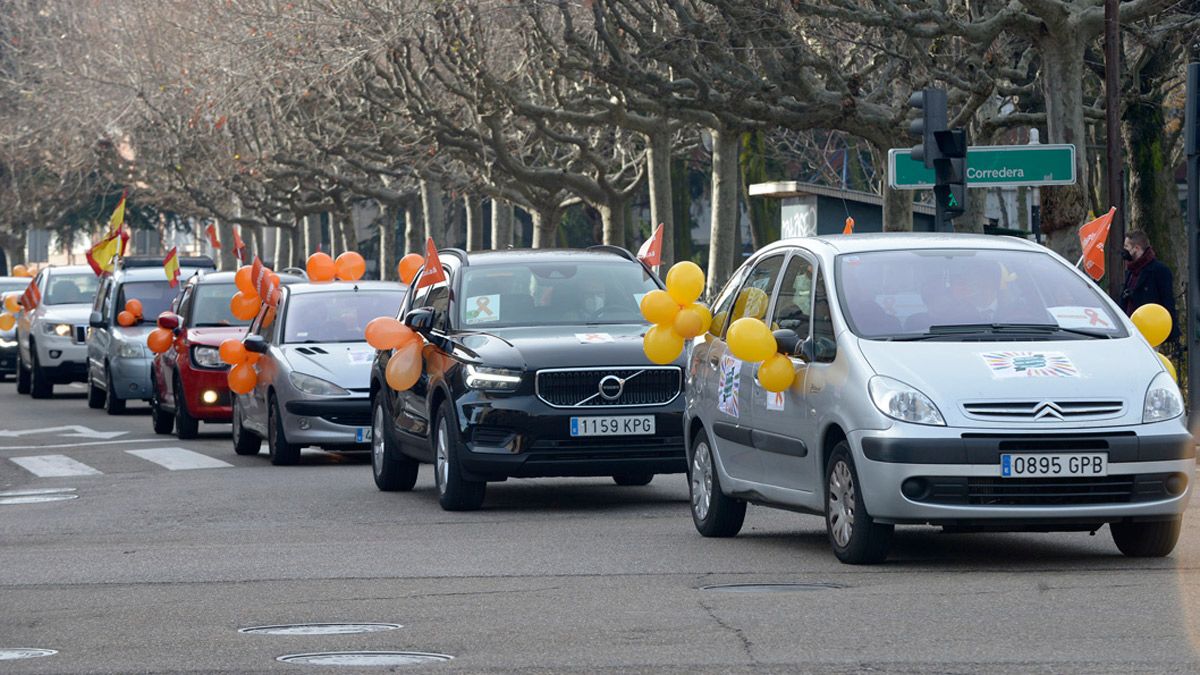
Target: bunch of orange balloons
{"points": [[242, 377], [159, 340], [21, 271], [349, 266], [675, 313], [131, 315], [12, 307], [404, 367], [256, 284]]}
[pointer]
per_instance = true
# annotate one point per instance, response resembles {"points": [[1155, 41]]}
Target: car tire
{"points": [[633, 479], [855, 537], [455, 493], [186, 426], [22, 377], [95, 395], [39, 385], [281, 452], [245, 442], [394, 471], [112, 404], [162, 422], [714, 513], [1146, 540]]}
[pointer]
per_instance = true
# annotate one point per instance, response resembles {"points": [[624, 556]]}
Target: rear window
{"points": [[71, 289], [337, 316], [210, 306]]}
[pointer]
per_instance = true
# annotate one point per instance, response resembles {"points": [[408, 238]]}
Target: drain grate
{"points": [[361, 659], [782, 587], [24, 653], [320, 628]]}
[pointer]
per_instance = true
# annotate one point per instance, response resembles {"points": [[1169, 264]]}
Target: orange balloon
{"points": [[233, 351], [12, 302], [387, 333], [242, 378], [244, 279], [244, 307], [20, 271], [134, 307], [409, 266], [252, 357], [350, 266], [7, 321], [159, 340], [320, 267], [126, 319], [404, 368]]}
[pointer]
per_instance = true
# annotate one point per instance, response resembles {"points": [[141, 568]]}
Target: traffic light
{"points": [[950, 171], [932, 104]]}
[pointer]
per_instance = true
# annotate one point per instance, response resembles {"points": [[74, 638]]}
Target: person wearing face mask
{"points": [[593, 297], [1147, 279]]}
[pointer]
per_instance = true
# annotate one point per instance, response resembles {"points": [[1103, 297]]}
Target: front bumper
{"points": [[957, 476], [8, 358], [131, 378], [62, 359], [196, 383], [328, 423], [520, 436]]}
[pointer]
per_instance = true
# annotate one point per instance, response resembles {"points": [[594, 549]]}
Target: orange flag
{"points": [[651, 250], [239, 246], [211, 230], [849, 229], [1092, 236], [432, 272]]}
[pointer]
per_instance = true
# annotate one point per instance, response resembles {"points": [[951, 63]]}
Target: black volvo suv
{"points": [[533, 367]]}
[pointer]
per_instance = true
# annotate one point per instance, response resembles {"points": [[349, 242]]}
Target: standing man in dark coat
{"points": [[1147, 279]]}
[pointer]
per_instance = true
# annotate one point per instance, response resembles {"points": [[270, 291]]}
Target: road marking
{"points": [[77, 431], [53, 466], [179, 459], [79, 445]]}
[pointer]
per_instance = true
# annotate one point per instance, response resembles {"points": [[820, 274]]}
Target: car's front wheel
{"points": [[245, 442], [455, 493], [1146, 540], [40, 386], [113, 405], [163, 423], [393, 470], [22, 377], [855, 537], [95, 395], [186, 426], [714, 513], [282, 453]]}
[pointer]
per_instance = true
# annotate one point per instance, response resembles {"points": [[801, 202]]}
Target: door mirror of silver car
{"points": [[788, 342], [169, 321], [420, 320], [255, 343], [96, 320]]}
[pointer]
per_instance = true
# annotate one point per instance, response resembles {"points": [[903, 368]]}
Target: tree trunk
{"points": [[658, 158], [347, 235], [614, 216], [897, 209], [414, 230], [723, 228], [255, 243], [455, 225], [502, 225], [474, 210], [1064, 208], [227, 260], [283, 247], [545, 226], [432, 212], [312, 236], [973, 219], [388, 229], [681, 212]]}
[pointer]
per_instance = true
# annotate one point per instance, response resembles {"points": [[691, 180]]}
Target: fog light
{"points": [[1177, 483], [914, 488], [55, 353], [305, 425], [133, 386], [209, 397]]}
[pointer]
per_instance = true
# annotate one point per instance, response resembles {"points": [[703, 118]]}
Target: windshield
{"points": [[340, 316], [906, 294], [156, 297], [553, 294], [210, 306], [71, 289], [10, 286]]}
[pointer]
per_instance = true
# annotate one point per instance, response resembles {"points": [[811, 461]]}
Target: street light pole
{"points": [[1116, 168]]}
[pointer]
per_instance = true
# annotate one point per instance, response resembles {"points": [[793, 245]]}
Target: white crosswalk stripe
{"points": [[53, 466], [179, 459]]}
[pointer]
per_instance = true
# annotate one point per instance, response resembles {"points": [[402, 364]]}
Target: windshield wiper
{"points": [[952, 329]]}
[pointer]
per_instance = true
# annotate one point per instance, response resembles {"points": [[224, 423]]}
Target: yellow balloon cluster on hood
{"points": [[675, 313]]}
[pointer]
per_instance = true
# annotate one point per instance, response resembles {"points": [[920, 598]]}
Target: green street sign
{"points": [[992, 166]]}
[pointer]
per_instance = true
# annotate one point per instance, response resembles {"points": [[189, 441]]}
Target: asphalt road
{"points": [[155, 569]]}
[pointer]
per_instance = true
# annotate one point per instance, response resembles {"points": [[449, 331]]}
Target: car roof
{"points": [[228, 278], [152, 274], [68, 269], [540, 255], [306, 287], [836, 244]]}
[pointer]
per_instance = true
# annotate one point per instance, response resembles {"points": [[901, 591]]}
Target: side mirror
{"points": [[96, 320], [255, 343], [169, 321], [821, 350], [789, 342], [420, 320]]}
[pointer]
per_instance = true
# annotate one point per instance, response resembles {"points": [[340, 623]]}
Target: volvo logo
{"points": [[611, 387], [1049, 411]]}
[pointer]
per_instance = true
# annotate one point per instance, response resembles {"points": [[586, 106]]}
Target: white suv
{"points": [[51, 338]]}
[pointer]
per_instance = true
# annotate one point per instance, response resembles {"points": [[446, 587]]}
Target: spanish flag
{"points": [[171, 266], [102, 255]]}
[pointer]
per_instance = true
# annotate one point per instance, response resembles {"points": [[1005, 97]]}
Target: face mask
{"points": [[1126, 255], [593, 303]]}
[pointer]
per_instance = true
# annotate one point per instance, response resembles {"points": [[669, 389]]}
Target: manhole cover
{"points": [[787, 587], [365, 658], [37, 499], [35, 491], [14, 654], [320, 628]]}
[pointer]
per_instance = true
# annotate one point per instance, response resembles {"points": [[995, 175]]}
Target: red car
{"points": [[189, 379]]}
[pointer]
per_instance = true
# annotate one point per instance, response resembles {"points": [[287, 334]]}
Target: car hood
{"points": [[346, 364], [955, 373], [214, 336], [73, 314], [533, 348]]}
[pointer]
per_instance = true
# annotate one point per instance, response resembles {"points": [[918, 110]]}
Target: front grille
{"points": [[362, 419], [581, 388], [80, 334], [601, 448], [990, 491], [1043, 411]]}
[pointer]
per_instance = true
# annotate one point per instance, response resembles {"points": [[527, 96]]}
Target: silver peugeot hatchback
{"points": [[969, 382]]}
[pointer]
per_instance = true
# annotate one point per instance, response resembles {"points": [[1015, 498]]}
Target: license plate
{"points": [[628, 425], [1074, 465], [362, 435]]}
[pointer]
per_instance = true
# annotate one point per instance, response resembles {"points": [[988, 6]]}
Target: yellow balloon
{"points": [[752, 303], [12, 303], [662, 344], [718, 323], [7, 321], [751, 340], [692, 320], [1154, 322], [776, 373], [685, 282], [659, 308], [1169, 366]]}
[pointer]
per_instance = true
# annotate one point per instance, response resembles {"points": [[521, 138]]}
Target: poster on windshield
{"points": [[1081, 317], [1006, 365], [483, 309]]}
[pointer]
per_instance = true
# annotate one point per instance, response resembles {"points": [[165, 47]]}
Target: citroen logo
{"points": [[611, 387], [1048, 410]]}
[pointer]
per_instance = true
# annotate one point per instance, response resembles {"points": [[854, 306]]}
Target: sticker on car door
{"points": [[727, 385]]}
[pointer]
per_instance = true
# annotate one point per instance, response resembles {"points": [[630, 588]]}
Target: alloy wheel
{"points": [[702, 481], [442, 460], [841, 503], [377, 440]]}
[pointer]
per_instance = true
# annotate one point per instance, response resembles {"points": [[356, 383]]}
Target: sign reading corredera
{"points": [[992, 166]]}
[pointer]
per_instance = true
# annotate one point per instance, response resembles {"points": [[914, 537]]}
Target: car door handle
{"points": [[815, 388]]}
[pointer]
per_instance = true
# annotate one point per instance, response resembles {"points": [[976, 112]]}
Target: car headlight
{"points": [[900, 401], [1163, 401], [207, 357], [315, 386], [129, 350], [59, 329], [7, 344], [482, 377]]}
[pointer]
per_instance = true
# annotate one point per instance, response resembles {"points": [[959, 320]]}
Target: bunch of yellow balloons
{"points": [[675, 313], [750, 339], [12, 307], [1154, 323]]}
